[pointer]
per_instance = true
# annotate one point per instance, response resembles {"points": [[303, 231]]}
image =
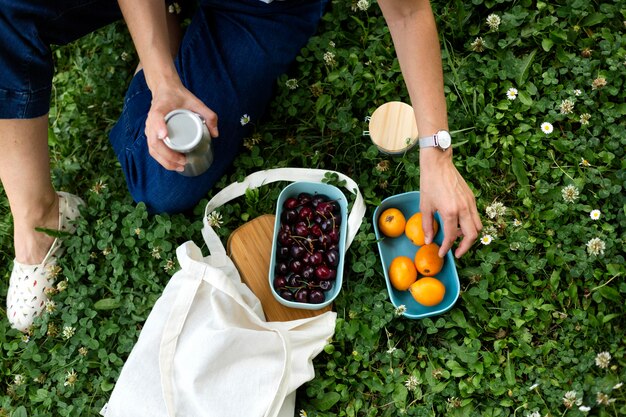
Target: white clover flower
{"points": [[62, 285], [566, 107], [215, 219], [400, 310], [19, 379], [329, 58], [98, 187], [598, 83], [570, 193], [478, 45], [331, 44], [70, 378], [68, 332], [517, 223], [486, 239], [534, 414], [584, 408], [156, 252], [491, 230], [603, 399], [584, 118], [577, 92], [169, 265], [511, 93], [245, 119], [570, 399], [51, 306], [411, 383], [291, 83], [497, 209], [82, 351], [363, 5], [595, 247], [391, 350], [25, 338], [547, 128], [595, 214], [174, 8], [603, 358], [514, 246], [493, 21]]}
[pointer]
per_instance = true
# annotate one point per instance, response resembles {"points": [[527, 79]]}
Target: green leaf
{"points": [[509, 372], [19, 412], [327, 401], [525, 98], [524, 67], [107, 304], [610, 293], [547, 44], [520, 172], [593, 19]]}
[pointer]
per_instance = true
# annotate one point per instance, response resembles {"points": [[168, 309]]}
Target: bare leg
{"points": [[25, 175]]}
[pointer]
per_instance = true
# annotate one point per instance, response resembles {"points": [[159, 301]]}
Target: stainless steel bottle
{"points": [[187, 133]]}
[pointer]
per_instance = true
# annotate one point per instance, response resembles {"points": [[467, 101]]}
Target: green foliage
{"points": [[537, 304]]}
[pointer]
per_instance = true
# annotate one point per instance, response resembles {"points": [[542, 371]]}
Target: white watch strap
{"points": [[427, 141]]}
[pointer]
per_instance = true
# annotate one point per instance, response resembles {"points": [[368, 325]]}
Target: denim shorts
{"points": [[231, 54]]}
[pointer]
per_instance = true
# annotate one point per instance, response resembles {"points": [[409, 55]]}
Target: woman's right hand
{"points": [[168, 96]]}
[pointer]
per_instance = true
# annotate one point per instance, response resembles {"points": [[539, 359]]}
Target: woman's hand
{"points": [[443, 189], [168, 96]]}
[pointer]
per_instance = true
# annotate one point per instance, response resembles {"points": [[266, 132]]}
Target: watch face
{"points": [[443, 139]]}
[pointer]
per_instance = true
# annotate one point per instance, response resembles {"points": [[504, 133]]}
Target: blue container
{"points": [[333, 193], [389, 248]]}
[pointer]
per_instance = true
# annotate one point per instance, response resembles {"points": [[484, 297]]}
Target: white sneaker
{"points": [[27, 298]]}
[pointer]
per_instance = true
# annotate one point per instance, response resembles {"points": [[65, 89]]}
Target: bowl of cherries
{"points": [[306, 264]]}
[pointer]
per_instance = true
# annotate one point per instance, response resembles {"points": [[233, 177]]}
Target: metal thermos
{"points": [[187, 133]]}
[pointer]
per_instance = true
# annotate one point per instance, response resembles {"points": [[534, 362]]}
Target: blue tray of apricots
{"points": [[437, 292]]}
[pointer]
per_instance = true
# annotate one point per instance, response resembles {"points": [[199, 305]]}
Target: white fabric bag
{"points": [[206, 349]]}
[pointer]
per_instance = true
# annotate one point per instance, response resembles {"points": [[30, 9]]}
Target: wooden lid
{"points": [[392, 127]]}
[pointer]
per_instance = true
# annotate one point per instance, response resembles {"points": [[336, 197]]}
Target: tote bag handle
{"points": [[257, 179]]}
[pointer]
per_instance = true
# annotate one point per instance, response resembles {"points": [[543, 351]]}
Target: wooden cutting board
{"points": [[250, 247]]}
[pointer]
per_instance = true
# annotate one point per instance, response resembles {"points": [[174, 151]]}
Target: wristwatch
{"points": [[441, 140]]}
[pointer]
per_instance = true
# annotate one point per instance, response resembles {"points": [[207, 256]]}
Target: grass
{"points": [[541, 314]]}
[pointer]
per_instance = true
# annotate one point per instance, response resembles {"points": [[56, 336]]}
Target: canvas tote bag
{"points": [[206, 348]]}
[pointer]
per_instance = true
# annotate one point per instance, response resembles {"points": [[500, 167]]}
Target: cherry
{"points": [[332, 257], [322, 272], [280, 282], [290, 203], [316, 297], [286, 294], [302, 295]]}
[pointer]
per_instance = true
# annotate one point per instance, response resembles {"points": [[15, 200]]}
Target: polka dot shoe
{"points": [[27, 298]]}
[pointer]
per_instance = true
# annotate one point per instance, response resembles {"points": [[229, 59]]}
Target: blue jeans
{"points": [[230, 57]]}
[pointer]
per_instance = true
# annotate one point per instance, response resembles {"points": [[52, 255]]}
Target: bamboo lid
{"points": [[392, 127]]}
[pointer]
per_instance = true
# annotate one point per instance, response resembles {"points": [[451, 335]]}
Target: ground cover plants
{"points": [[536, 96]]}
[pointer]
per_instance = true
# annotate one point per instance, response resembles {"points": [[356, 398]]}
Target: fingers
{"points": [[210, 119], [169, 159], [469, 232], [450, 233], [156, 132], [427, 226]]}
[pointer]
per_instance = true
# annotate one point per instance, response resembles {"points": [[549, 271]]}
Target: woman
{"points": [[224, 66]]}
